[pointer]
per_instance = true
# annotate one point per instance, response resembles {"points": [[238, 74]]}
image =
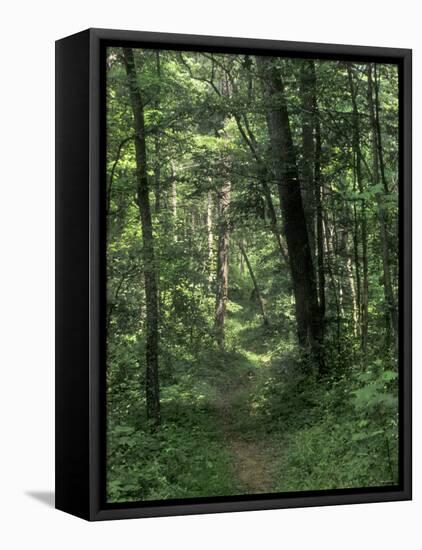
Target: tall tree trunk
{"points": [[308, 315], [255, 283], [150, 270], [319, 187], [356, 258], [311, 173], [174, 203], [223, 204], [348, 244], [307, 91], [223, 198], [382, 214], [210, 239], [364, 295], [329, 246], [157, 160], [352, 285], [378, 132]]}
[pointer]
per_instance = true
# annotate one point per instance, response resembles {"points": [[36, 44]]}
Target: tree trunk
{"points": [[273, 217], [308, 316], [210, 239], [329, 246], [150, 270], [223, 204], [223, 197], [363, 223], [311, 174], [174, 204], [307, 92], [157, 160], [382, 214], [357, 268], [352, 285], [255, 284], [350, 257], [320, 219]]}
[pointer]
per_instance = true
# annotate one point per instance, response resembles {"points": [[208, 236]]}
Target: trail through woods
{"points": [[252, 274], [252, 450]]}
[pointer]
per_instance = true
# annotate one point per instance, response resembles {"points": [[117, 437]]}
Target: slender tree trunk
{"points": [[223, 205], [174, 205], [307, 91], [334, 285], [355, 235], [319, 186], [255, 284], [210, 239], [223, 198], [357, 265], [308, 315], [150, 274], [382, 214], [349, 255], [273, 217], [352, 285], [364, 295], [157, 160], [241, 264], [378, 132]]}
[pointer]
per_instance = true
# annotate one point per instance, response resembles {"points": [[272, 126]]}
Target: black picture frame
{"points": [[80, 274]]}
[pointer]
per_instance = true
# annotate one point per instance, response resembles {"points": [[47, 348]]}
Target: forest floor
{"points": [[254, 453], [235, 424]]}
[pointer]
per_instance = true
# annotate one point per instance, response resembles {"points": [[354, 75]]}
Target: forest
{"points": [[252, 274]]}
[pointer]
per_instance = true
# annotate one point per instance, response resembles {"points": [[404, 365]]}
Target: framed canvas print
{"points": [[233, 274]]}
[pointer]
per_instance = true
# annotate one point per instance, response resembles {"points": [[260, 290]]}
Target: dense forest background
{"points": [[252, 273]]}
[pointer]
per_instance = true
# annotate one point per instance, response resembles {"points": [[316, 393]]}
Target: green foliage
{"points": [[344, 436], [257, 401], [184, 457]]}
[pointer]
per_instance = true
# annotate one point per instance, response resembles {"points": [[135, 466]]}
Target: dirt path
{"points": [[253, 460], [252, 466]]}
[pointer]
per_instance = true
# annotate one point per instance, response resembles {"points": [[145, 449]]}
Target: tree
{"points": [[377, 169], [150, 273], [308, 317], [223, 201], [223, 205], [312, 176], [363, 296], [255, 284]]}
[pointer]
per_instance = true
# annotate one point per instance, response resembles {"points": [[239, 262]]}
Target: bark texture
{"points": [[309, 323], [150, 269], [223, 201], [377, 171], [360, 219]]}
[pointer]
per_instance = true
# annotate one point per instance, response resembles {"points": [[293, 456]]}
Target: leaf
{"points": [[124, 430], [389, 375]]}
